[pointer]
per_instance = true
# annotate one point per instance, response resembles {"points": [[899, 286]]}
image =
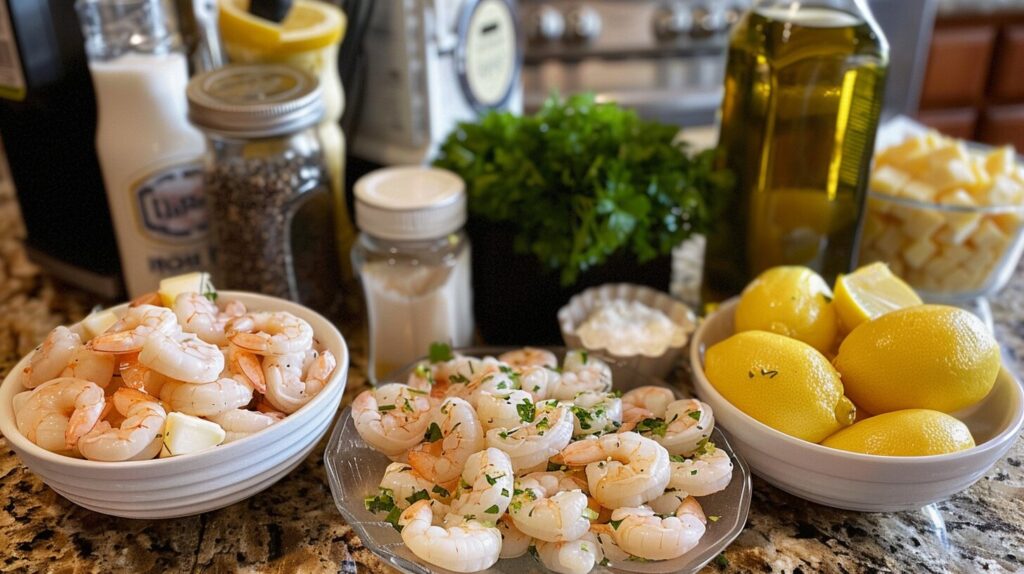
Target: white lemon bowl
{"points": [[858, 481], [195, 483]]}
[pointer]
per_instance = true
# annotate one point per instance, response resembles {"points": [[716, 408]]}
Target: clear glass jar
{"points": [[267, 187], [414, 262]]}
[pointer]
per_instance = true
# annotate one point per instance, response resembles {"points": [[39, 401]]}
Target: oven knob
{"points": [[671, 21], [547, 24], [583, 24], [708, 20]]}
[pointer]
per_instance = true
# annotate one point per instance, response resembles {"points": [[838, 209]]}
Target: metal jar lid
{"points": [[254, 101], [410, 203]]}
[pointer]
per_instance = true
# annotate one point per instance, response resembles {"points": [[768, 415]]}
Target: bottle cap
{"points": [[254, 101], [410, 203]]}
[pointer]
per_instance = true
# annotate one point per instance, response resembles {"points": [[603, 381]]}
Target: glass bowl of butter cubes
{"points": [[946, 216]]}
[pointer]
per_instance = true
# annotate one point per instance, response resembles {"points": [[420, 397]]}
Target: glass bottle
{"points": [[414, 262], [266, 183], [804, 86]]}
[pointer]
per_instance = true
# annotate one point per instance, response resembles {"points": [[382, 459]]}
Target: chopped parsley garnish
{"points": [[583, 357], [510, 373], [695, 415], [383, 502], [637, 559], [583, 416], [677, 458], [438, 490], [458, 378], [433, 433], [393, 517], [440, 352], [418, 495], [605, 562], [722, 561], [423, 372], [693, 472], [211, 295], [554, 466], [383, 408], [615, 523], [652, 426], [504, 492], [714, 518], [617, 393], [527, 411], [492, 481], [407, 406], [543, 424], [590, 514], [704, 447], [493, 509], [416, 391]]}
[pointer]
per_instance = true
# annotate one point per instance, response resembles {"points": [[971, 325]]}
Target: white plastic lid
{"points": [[410, 203]]}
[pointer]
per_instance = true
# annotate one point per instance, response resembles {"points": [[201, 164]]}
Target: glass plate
{"points": [[354, 471]]}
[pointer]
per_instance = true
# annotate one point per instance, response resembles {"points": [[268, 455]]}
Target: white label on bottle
{"points": [[12, 79], [170, 204], [490, 52]]}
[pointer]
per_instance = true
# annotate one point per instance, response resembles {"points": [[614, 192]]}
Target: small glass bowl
{"points": [[950, 253], [354, 471]]}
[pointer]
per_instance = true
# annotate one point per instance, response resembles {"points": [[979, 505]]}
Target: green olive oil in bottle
{"points": [[803, 91]]}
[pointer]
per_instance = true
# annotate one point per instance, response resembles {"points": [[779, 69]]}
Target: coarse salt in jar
{"points": [[414, 262]]}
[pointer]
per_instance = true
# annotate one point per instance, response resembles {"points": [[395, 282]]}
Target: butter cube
{"points": [[956, 173], [922, 223], [948, 151], [939, 266], [899, 153], [919, 191], [890, 243], [1008, 222], [889, 180], [959, 279], [195, 282], [959, 226], [982, 178], [918, 252], [184, 434], [978, 268], [989, 236], [1001, 161], [1004, 191], [98, 322]]}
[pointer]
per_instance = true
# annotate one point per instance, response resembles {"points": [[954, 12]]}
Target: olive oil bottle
{"points": [[803, 91]]}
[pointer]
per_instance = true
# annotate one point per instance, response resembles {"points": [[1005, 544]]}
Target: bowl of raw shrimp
{"points": [[517, 460], [88, 413], [852, 480]]}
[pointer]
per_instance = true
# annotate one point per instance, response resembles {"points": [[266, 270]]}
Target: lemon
{"points": [[869, 293], [310, 25], [791, 301], [911, 432], [782, 382], [924, 357]]}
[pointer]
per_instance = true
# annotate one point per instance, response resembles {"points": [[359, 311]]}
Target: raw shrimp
{"points": [[239, 423], [485, 490], [649, 398], [140, 435], [581, 373], [206, 399], [89, 365], [688, 423], [539, 381], [451, 438], [184, 358], [405, 484], [199, 315], [642, 533], [290, 386], [541, 435], [466, 547], [513, 542], [708, 472], [392, 418], [623, 469], [59, 412], [52, 357], [571, 557], [502, 410], [529, 357], [541, 509], [596, 413], [271, 333], [131, 332]]}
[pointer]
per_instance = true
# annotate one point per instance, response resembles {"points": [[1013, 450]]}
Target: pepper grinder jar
{"points": [[413, 259], [266, 184]]}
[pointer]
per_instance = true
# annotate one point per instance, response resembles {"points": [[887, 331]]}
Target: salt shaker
{"points": [[266, 183], [414, 262]]}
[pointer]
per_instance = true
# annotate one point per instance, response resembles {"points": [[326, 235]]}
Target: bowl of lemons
{"points": [[858, 396]]}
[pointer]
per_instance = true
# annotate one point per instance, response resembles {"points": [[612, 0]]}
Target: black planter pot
{"points": [[516, 300]]}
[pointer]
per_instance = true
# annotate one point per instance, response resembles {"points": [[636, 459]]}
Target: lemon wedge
{"points": [[99, 321], [310, 25], [184, 434], [195, 282], [869, 293]]}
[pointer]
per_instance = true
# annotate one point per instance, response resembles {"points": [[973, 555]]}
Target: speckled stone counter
{"points": [[294, 527]]}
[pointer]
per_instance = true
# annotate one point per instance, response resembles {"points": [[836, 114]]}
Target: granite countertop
{"points": [[294, 526]]}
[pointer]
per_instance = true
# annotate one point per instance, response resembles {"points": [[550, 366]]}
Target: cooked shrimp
{"points": [[90, 365], [466, 547], [708, 472], [596, 413], [542, 510], [539, 381], [290, 385], [59, 412], [451, 438], [486, 487], [140, 435], [271, 333], [571, 557], [498, 382], [582, 373], [529, 357], [132, 331], [151, 298], [138, 376], [184, 358], [623, 469], [641, 533], [541, 435], [246, 364], [52, 357], [688, 423], [199, 315], [609, 549], [513, 542], [239, 423], [405, 485], [206, 399], [392, 418], [650, 398], [502, 410]]}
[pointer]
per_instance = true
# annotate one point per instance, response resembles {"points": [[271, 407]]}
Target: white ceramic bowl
{"points": [[190, 484], [852, 480], [579, 308]]}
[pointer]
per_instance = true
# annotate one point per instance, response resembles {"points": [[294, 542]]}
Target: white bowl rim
{"points": [[996, 442], [10, 431]]}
